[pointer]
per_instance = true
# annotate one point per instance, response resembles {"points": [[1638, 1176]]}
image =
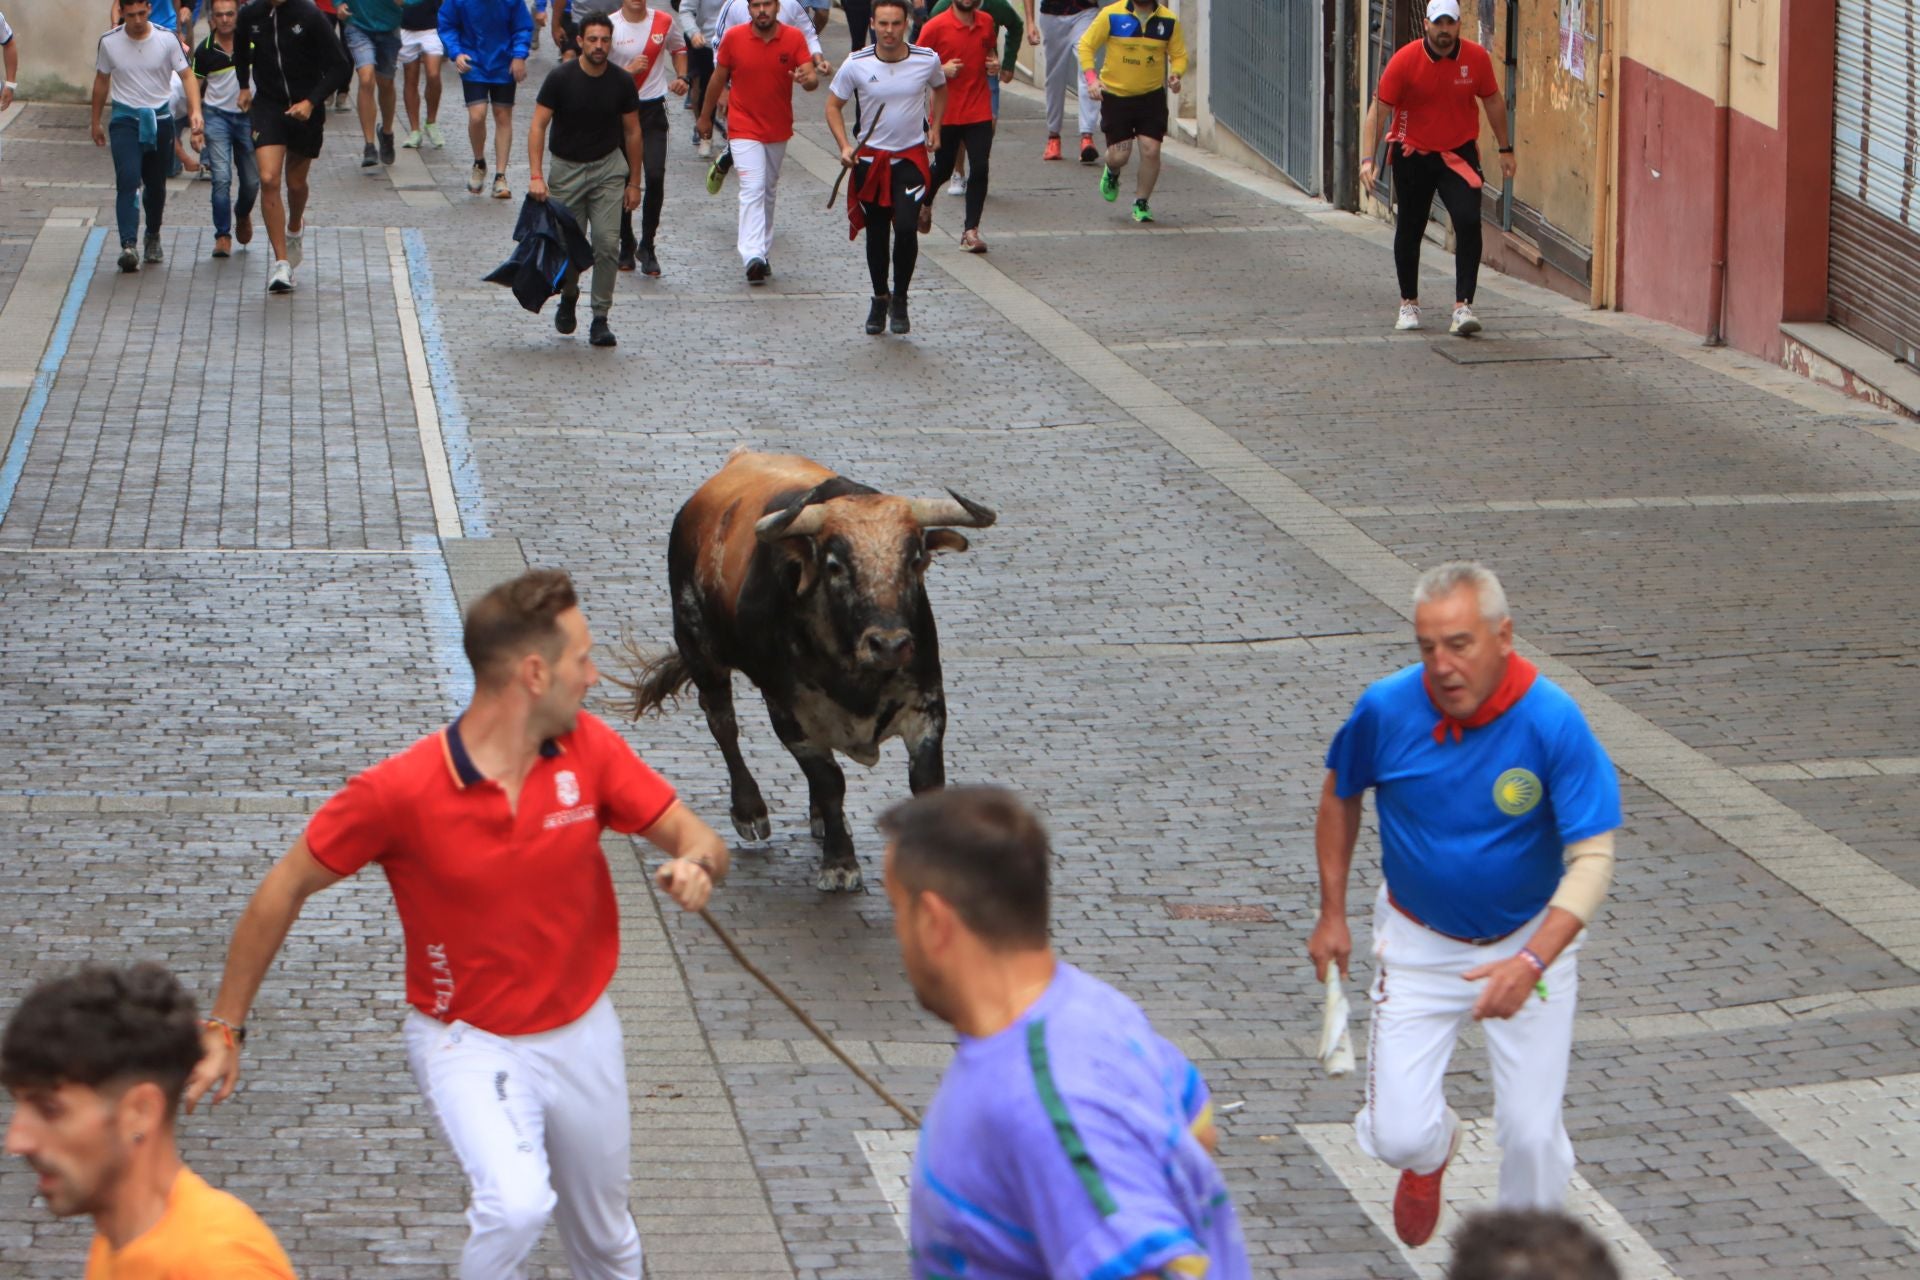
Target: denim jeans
{"points": [[134, 168], [230, 150]]}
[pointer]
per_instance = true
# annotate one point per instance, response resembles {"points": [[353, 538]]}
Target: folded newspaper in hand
{"points": [[1336, 1044]]}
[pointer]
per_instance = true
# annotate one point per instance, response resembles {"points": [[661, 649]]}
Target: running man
{"points": [[1497, 810], [284, 93], [488, 41], [1008, 20], [488, 832], [421, 51], [1429, 89], [96, 1062], [229, 131], [593, 109], [894, 86], [373, 42], [1146, 54], [649, 44], [1067, 1138], [1060, 26], [134, 66], [961, 36], [697, 18], [759, 61]]}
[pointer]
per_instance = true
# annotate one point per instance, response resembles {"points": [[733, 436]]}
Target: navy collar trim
{"points": [[463, 766]]}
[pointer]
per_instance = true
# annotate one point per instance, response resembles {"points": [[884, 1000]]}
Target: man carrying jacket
{"points": [[488, 41], [287, 62]]}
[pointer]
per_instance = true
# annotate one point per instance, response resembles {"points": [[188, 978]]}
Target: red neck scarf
{"points": [[1513, 686]]}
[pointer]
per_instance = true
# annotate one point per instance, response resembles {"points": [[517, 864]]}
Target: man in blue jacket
{"points": [[488, 41]]}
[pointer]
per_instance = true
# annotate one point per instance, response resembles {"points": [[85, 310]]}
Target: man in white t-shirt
{"points": [[894, 86], [135, 68], [650, 44], [10, 51]]}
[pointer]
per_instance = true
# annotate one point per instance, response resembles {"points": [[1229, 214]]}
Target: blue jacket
{"points": [[490, 32]]}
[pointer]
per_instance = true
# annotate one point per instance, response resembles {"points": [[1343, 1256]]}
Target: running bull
{"points": [[813, 586]]}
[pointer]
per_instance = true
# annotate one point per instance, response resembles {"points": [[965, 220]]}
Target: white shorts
{"points": [[415, 45]]}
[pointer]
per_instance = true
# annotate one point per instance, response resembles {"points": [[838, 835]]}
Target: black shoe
{"points": [[386, 148], [756, 271], [129, 257], [369, 157], [599, 335], [153, 252], [564, 319], [626, 260], [897, 314], [877, 313], [650, 265]]}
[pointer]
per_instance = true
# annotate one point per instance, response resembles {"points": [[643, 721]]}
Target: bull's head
{"points": [[857, 563]]}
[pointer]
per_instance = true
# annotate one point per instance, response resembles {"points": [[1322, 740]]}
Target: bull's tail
{"points": [[657, 678]]}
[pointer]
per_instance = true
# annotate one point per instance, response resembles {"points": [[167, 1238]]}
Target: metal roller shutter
{"points": [[1266, 79], [1873, 280]]}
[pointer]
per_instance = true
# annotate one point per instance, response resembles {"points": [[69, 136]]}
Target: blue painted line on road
{"points": [[49, 369], [443, 616], [467, 491]]}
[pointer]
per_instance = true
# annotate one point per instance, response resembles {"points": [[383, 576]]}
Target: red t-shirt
{"points": [[969, 99], [1436, 101], [760, 104], [509, 916]]}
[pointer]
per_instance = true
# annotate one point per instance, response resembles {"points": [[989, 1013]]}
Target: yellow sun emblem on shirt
{"points": [[1516, 791]]}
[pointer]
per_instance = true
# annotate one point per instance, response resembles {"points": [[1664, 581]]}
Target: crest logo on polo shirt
{"points": [[566, 787], [1516, 792]]}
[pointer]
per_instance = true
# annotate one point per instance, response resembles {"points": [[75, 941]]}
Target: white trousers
{"points": [[541, 1128], [758, 164], [1060, 40], [1419, 1005]]}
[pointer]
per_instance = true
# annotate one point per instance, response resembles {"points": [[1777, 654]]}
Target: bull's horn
{"points": [[955, 511], [794, 522]]}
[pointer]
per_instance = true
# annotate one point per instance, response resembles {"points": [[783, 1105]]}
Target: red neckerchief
{"points": [[877, 187], [1513, 686]]}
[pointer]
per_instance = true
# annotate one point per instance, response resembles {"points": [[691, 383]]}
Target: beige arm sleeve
{"points": [[1589, 872]]}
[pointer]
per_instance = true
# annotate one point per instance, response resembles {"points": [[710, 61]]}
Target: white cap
{"points": [[1437, 9]]}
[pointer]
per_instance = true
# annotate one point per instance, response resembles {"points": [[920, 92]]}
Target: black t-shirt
{"points": [[587, 110], [423, 15]]}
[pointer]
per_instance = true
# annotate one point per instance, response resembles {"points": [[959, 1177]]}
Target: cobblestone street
{"points": [[236, 532]]}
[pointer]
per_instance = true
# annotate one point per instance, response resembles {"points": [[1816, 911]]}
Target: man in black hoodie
{"points": [[287, 60]]}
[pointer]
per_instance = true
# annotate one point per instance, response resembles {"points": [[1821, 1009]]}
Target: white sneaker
{"points": [[280, 279], [1464, 322], [958, 187], [435, 138], [411, 142], [706, 148], [1409, 316], [294, 250]]}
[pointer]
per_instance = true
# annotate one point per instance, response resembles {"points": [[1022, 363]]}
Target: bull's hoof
{"points": [[838, 879], [753, 829]]}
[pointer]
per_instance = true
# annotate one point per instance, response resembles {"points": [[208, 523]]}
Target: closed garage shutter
{"points": [[1265, 58], [1873, 282]]}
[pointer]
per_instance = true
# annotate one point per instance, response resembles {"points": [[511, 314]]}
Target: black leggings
{"points": [[893, 232], [1416, 179], [699, 71], [859, 20], [978, 140], [653, 165]]}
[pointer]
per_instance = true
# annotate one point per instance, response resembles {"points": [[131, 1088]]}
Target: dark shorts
{"points": [[500, 95], [1143, 115], [272, 127], [569, 35]]}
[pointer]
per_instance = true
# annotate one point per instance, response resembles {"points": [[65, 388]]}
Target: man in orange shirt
{"points": [[96, 1062]]}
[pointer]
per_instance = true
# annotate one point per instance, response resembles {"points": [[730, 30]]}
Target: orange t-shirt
{"points": [[204, 1235]]}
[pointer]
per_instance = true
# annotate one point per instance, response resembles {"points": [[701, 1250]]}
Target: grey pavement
{"points": [[227, 586]]}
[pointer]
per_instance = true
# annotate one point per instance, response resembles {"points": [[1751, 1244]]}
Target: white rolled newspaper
{"points": [[1336, 1043]]}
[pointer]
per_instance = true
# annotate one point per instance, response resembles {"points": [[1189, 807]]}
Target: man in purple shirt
{"points": [[1068, 1140]]}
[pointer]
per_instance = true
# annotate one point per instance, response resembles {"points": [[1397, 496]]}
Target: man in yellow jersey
{"points": [[96, 1062], [1146, 56]]}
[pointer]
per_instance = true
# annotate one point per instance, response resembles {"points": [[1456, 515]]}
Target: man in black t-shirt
{"points": [[594, 113]]}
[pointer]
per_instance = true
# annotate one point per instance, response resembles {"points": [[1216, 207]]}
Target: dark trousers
{"points": [[978, 140], [653, 162], [893, 235], [137, 170], [699, 71], [1416, 180], [859, 19]]}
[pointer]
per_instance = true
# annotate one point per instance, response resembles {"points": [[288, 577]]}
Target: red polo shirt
{"points": [[969, 99], [760, 101], [509, 915], [1436, 101]]}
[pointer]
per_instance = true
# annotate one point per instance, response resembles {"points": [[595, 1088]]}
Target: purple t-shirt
{"points": [[1063, 1149]]}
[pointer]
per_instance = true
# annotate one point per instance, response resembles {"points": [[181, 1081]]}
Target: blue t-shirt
{"points": [[1473, 833], [1063, 1148]]}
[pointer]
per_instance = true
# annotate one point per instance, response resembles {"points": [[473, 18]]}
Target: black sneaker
{"points": [[153, 252], [129, 257], [626, 260], [386, 148], [369, 157], [757, 271], [877, 313], [650, 265], [897, 314], [599, 335], [564, 319]]}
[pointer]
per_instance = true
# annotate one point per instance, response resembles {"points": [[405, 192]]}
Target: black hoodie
{"points": [[288, 53]]}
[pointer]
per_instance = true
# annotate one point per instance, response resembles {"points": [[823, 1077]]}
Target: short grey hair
{"points": [[1443, 580]]}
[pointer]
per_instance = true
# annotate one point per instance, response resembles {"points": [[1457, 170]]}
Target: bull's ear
{"points": [[797, 565], [943, 540]]}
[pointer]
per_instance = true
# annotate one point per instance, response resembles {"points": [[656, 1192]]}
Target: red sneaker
{"points": [[1053, 149], [1416, 1202]]}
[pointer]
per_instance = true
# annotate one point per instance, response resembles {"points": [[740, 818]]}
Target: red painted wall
{"points": [[1756, 237], [1666, 197]]}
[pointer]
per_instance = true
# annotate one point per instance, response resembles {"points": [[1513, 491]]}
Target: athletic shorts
{"points": [[500, 95], [1143, 115], [272, 127], [415, 45], [377, 49], [569, 35]]}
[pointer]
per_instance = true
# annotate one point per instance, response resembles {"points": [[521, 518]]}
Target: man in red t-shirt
{"points": [[963, 37], [488, 832], [1435, 90], [761, 59]]}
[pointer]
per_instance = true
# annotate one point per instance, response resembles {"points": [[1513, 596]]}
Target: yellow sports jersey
{"points": [[1139, 54], [204, 1235]]}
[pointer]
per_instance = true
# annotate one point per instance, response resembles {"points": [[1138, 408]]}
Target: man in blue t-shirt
{"points": [[1068, 1140], [1497, 808]]}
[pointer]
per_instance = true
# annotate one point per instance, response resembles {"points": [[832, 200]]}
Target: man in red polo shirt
{"points": [[963, 37], [1434, 90], [488, 832]]}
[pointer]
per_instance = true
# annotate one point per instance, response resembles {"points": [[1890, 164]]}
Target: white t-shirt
{"points": [[142, 70], [902, 87], [791, 13], [6, 32], [630, 41]]}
